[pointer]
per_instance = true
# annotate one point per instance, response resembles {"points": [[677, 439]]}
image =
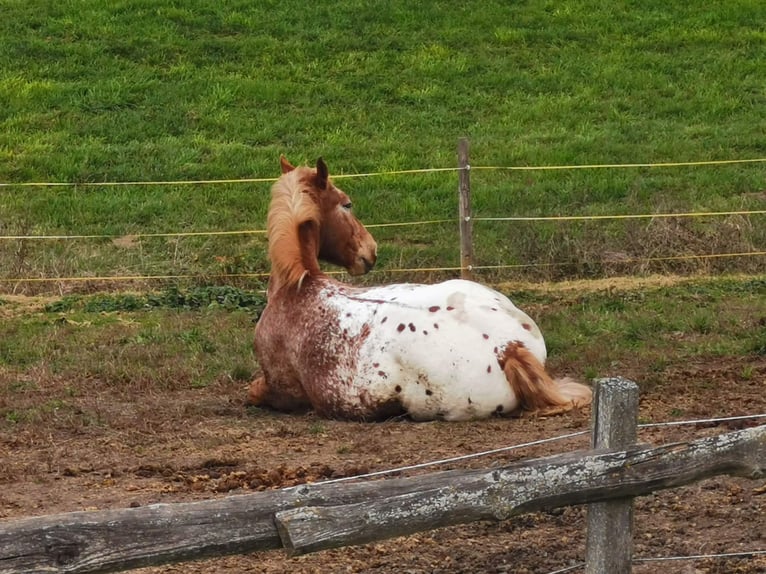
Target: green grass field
{"points": [[163, 91]]}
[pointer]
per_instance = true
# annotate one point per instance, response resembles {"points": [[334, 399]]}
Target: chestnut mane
{"points": [[293, 208]]}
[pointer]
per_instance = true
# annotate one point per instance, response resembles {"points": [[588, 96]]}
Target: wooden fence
{"points": [[314, 517]]}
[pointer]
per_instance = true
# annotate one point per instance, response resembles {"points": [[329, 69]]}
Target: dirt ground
{"points": [[203, 443]]}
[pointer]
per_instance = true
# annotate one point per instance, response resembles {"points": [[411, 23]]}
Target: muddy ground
{"points": [[204, 443]]}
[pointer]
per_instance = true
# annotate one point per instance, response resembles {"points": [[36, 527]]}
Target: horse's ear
{"points": [[322, 173], [285, 165]]}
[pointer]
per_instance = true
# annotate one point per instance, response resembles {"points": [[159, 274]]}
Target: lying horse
{"points": [[454, 351]]}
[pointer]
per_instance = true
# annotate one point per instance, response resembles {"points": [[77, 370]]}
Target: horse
{"points": [[451, 351]]}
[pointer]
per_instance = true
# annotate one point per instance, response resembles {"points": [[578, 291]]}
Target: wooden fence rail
{"points": [[309, 517]]}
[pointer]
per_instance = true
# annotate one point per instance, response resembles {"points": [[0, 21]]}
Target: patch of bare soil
{"points": [[203, 443]]}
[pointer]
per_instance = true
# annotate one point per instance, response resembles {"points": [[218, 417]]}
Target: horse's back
{"points": [[450, 313], [437, 348]]}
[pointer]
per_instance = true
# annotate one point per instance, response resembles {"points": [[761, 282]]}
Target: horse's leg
{"points": [[286, 397], [257, 392]]}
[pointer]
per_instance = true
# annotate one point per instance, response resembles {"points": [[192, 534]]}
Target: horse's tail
{"points": [[536, 390]]}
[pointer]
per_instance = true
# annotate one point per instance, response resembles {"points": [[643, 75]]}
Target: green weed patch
{"points": [[171, 298]]}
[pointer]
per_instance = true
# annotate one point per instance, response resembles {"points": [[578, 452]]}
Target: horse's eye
{"points": [[347, 205]]}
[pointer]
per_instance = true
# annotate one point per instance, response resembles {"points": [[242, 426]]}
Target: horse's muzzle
{"points": [[362, 265], [366, 255], [368, 264]]}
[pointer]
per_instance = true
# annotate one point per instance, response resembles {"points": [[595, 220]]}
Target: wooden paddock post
{"points": [[466, 224], [609, 545]]}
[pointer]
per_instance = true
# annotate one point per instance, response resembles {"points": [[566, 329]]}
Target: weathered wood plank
{"points": [[453, 498], [609, 543], [115, 540]]}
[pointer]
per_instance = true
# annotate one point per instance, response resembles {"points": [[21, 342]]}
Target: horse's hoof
{"points": [[256, 392]]}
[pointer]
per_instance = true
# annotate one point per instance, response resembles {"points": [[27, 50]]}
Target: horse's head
{"points": [[343, 240]]}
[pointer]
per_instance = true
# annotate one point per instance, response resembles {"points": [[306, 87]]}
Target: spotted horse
{"points": [[454, 351]]}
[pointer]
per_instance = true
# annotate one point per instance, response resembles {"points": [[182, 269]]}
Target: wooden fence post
{"points": [[466, 224], [609, 544]]}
